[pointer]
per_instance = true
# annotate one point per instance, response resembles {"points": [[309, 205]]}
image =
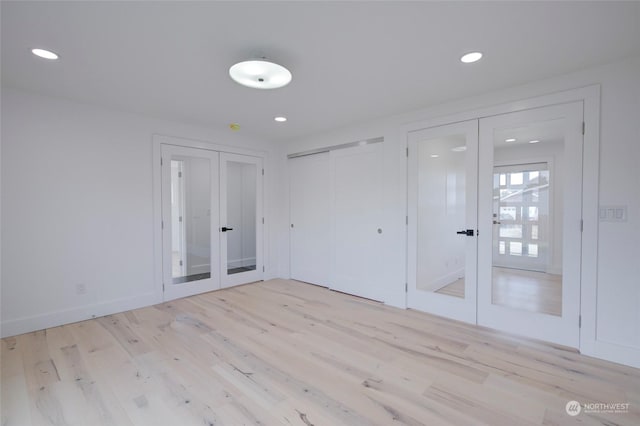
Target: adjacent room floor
{"points": [[283, 352]]}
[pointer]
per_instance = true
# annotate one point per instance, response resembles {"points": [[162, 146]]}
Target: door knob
{"points": [[225, 229], [496, 222], [467, 232]]}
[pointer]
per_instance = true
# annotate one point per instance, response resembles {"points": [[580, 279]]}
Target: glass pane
{"points": [[527, 258], [241, 217], [441, 213], [511, 231], [190, 219]]}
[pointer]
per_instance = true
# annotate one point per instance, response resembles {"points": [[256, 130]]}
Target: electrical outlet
{"points": [[81, 289]]}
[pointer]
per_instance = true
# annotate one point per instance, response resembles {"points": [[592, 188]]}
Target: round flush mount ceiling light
{"points": [[471, 57], [280, 119], [534, 141], [260, 74], [46, 54], [510, 140]]}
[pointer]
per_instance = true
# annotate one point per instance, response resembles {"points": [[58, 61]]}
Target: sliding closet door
{"points": [[310, 237], [241, 219], [442, 251], [357, 213], [190, 241]]}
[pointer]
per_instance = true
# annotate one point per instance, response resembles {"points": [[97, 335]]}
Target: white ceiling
{"points": [[350, 61]]}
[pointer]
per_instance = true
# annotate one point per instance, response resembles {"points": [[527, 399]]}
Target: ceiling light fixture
{"points": [[260, 74], [471, 57], [46, 54], [534, 141], [459, 148], [434, 156], [280, 119], [510, 140]]}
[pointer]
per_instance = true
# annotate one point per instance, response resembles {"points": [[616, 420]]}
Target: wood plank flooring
{"points": [[283, 352]]}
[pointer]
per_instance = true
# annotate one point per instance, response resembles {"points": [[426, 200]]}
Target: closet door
{"points": [[310, 212], [442, 234], [241, 219], [357, 213], [190, 241]]}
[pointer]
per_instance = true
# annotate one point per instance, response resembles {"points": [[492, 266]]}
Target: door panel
{"points": [[190, 219], [357, 220], [529, 218], [442, 207], [310, 226], [240, 219]]}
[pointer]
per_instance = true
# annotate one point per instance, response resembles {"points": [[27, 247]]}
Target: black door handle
{"points": [[225, 229], [467, 232]]}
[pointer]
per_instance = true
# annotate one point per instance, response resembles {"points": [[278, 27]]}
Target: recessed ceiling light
{"points": [[471, 57], [281, 119], [534, 141], [260, 74], [510, 140], [46, 54], [434, 156], [459, 148]]}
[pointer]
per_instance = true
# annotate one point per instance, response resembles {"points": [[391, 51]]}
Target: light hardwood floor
{"points": [[283, 352]]}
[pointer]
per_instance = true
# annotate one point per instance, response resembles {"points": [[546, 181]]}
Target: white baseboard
{"points": [[239, 263], [445, 280], [612, 352], [17, 326]]}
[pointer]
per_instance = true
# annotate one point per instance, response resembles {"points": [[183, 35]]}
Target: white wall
{"points": [[618, 307], [77, 208]]}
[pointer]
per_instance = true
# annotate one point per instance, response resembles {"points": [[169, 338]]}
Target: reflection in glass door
{"points": [[442, 249], [530, 196], [241, 218], [189, 216]]}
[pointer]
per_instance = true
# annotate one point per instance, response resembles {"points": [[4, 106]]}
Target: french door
{"points": [[442, 252], [241, 219], [190, 240], [530, 212], [495, 222]]}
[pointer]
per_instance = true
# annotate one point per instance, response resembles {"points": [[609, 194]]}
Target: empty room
{"points": [[319, 213]]}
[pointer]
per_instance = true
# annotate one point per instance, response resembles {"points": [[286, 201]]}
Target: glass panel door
{"points": [[442, 251], [530, 198], [189, 215], [241, 219]]}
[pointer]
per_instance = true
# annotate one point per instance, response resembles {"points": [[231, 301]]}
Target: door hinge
{"points": [[263, 220], [262, 172], [407, 151], [180, 219], [162, 286], [583, 127], [262, 268], [406, 287], [162, 224], [579, 321], [181, 263], [406, 220], [179, 174], [581, 225]]}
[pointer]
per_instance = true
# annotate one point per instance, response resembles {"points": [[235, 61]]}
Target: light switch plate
{"points": [[613, 213]]}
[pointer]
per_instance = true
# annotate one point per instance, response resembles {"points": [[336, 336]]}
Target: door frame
{"points": [[590, 96], [157, 140]]}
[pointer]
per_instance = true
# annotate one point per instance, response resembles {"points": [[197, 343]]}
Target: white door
{"points": [[241, 220], [310, 213], [357, 213], [530, 198], [190, 244], [442, 243]]}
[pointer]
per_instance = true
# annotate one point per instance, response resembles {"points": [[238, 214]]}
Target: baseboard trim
{"points": [[17, 326]]}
